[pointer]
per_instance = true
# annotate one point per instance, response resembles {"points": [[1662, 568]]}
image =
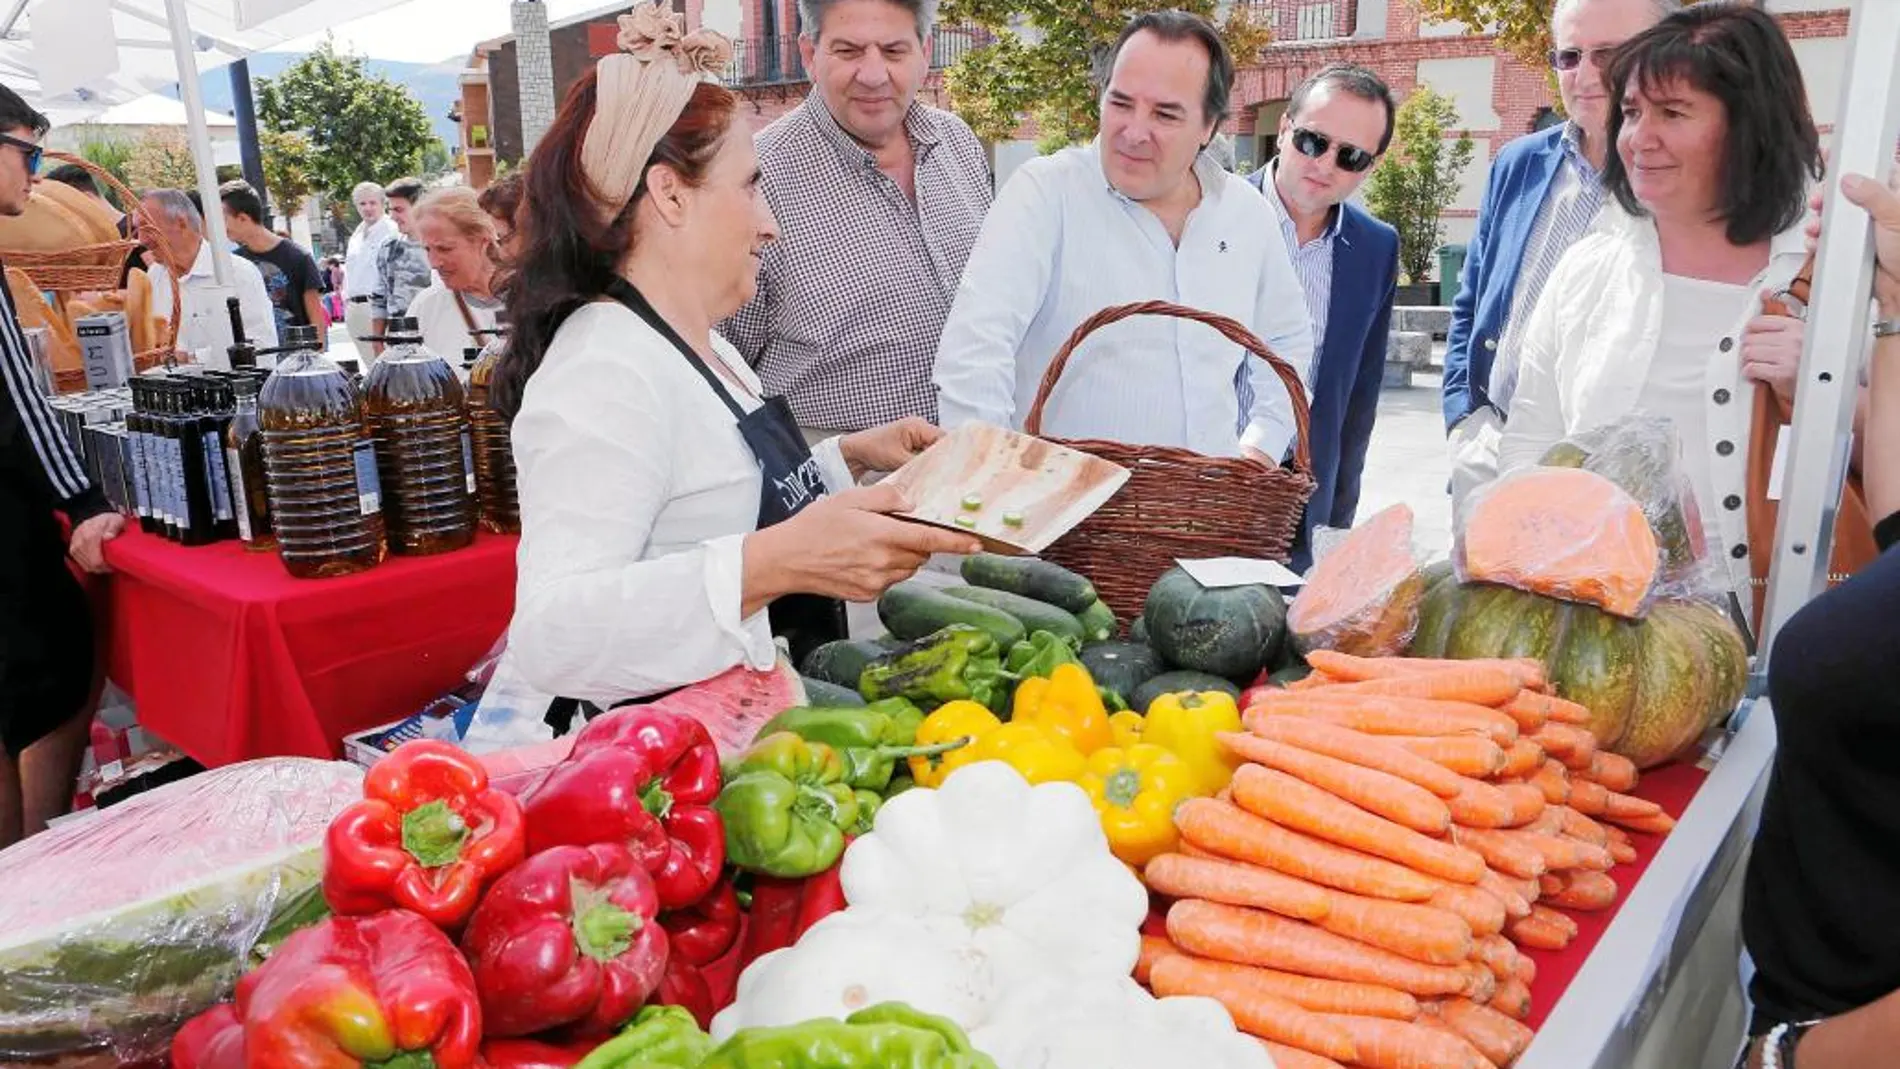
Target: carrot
{"points": [[1494, 952], [1548, 822], [1256, 1011], [1234, 833], [1467, 755], [1614, 771], [1422, 933], [1303, 807], [1384, 1044], [1654, 824], [1153, 949], [1546, 707], [1529, 672], [1484, 913], [1359, 748], [1574, 746], [1553, 780], [1527, 803], [1516, 903], [1513, 999], [1285, 1057], [1582, 890], [1188, 849], [1529, 714], [1523, 758], [1502, 852], [1252, 937], [1526, 973], [1477, 684], [1622, 851], [1562, 920], [1481, 805], [1557, 852], [1578, 826], [1403, 803], [1429, 1019], [1306, 992], [1497, 1037], [1617, 806], [1312, 682], [1237, 885], [1381, 714]]}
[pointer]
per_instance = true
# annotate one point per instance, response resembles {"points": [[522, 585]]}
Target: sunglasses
{"points": [[28, 149], [1569, 59], [1314, 145]]}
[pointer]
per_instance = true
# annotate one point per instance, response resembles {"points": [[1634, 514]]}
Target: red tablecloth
{"points": [[230, 658]]}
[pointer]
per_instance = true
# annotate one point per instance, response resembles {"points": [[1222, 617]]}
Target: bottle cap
{"points": [[403, 325], [300, 337], [244, 386]]}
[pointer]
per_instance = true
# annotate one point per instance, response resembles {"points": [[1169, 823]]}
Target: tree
{"points": [[287, 167], [1042, 63], [360, 126], [1419, 177], [436, 160], [161, 159], [108, 152]]}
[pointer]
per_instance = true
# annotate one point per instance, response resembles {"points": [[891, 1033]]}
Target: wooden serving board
{"points": [[1051, 487]]}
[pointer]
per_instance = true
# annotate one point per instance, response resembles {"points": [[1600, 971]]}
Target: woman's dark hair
{"points": [[566, 248], [502, 199], [1737, 53]]}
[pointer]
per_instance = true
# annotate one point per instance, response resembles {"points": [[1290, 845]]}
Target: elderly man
{"points": [[1543, 193], [1337, 125], [1140, 214], [201, 301], [402, 264], [879, 200], [359, 265]]}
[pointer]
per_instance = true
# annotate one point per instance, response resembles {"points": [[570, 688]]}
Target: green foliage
{"points": [[110, 152], [436, 160], [360, 127], [1043, 60], [1419, 177], [161, 160], [288, 160]]}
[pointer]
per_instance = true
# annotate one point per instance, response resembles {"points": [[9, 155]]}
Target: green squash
{"points": [[1121, 666], [1231, 631]]}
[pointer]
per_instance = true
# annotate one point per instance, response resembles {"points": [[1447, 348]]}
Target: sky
{"points": [[429, 31]]}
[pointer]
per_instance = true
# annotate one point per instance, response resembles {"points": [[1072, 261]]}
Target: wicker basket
{"points": [[1179, 504], [96, 268]]}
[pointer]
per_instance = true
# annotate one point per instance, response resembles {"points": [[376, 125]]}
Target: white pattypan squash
{"points": [[1111, 1023], [1026, 871], [853, 959]]}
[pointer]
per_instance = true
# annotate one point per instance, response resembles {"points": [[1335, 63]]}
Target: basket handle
{"points": [[1231, 330], [135, 211]]}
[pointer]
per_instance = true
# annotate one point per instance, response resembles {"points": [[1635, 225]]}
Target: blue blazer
{"points": [[1520, 180], [1349, 368]]}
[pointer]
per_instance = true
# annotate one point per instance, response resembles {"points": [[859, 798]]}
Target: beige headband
{"points": [[643, 90]]}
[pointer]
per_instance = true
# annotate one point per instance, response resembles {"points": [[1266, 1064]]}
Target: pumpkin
{"points": [[1652, 686], [1227, 631], [1362, 596], [1640, 454], [1565, 532]]}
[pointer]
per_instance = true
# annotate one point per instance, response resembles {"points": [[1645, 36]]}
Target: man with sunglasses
{"points": [[46, 652], [1336, 126], [1544, 191]]}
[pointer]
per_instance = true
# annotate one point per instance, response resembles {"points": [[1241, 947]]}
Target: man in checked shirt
{"points": [[879, 200], [46, 654]]}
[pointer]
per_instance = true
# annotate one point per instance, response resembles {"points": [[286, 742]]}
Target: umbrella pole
{"points": [[177, 15]]}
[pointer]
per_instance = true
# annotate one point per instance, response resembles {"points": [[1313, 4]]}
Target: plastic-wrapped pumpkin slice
{"points": [[1565, 533], [1362, 597]]}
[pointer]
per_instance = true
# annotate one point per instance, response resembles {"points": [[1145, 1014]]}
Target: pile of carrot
{"points": [[1398, 831]]}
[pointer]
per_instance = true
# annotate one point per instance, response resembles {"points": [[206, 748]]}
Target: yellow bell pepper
{"points": [[950, 722], [1136, 791], [1186, 725], [1126, 726], [1068, 704], [1041, 755]]}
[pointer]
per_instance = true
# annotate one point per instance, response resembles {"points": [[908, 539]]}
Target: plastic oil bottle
{"points": [[494, 451], [244, 462], [414, 407], [319, 464]]}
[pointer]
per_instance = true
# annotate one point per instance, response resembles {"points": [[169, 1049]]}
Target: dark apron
{"points": [[791, 481]]}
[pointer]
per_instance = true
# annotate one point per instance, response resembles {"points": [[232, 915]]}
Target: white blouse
{"points": [[444, 331], [637, 494]]}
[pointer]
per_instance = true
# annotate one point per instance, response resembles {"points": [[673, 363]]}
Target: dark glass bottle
{"points": [[244, 462], [137, 424], [242, 352]]}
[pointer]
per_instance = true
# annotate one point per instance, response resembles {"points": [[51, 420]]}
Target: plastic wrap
{"points": [[1564, 533], [117, 928], [1363, 591]]}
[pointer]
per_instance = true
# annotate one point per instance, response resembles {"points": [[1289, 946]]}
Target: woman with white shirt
{"points": [[1659, 309], [672, 516], [458, 311]]}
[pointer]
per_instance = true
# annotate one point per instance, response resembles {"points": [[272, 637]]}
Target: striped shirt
{"points": [[65, 472], [1312, 262], [1575, 197]]}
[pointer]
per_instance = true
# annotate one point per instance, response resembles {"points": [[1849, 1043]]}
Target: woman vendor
{"points": [[458, 311], [673, 518]]}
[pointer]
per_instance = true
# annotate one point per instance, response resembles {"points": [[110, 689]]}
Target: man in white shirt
{"points": [[1140, 214], [201, 303], [360, 279]]}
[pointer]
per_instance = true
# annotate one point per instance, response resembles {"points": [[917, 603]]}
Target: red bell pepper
{"points": [[785, 909], [689, 988], [533, 1054], [428, 836], [387, 991], [569, 939], [701, 933], [644, 778]]}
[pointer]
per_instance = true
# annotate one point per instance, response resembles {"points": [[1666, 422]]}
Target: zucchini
{"points": [[840, 663], [821, 693], [1098, 622], [1034, 615], [1177, 683], [912, 610], [1030, 577], [1121, 666]]}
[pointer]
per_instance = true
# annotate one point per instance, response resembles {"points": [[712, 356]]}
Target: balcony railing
{"points": [[763, 61]]}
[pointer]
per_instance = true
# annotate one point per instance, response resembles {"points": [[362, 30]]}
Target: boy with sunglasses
{"points": [[1336, 126], [1544, 191]]}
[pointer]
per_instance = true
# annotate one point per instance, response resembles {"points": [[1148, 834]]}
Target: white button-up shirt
{"points": [[205, 317], [360, 277], [637, 494], [1061, 245]]}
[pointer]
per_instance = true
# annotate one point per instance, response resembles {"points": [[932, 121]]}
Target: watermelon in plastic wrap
{"points": [[116, 928], [733, 706]]}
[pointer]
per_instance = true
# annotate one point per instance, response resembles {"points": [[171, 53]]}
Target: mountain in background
{"points": [[435, 85]]}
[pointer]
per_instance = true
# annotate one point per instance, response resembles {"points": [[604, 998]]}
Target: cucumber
{"points": [[1176, 683], [911, 610], [821, 693], [1098, 622], [1121, 666], [1030, 577], [1034, 615], [840, 663]]}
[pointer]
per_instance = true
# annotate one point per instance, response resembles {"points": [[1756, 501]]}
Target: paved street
{"points": [[1408, 462]]}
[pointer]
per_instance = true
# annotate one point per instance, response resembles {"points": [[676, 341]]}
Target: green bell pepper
{"points": [[957, 663], [660, 1037], [874, 740], [786, 807], [1040, 653], [889, 1035], [869, 802]]}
